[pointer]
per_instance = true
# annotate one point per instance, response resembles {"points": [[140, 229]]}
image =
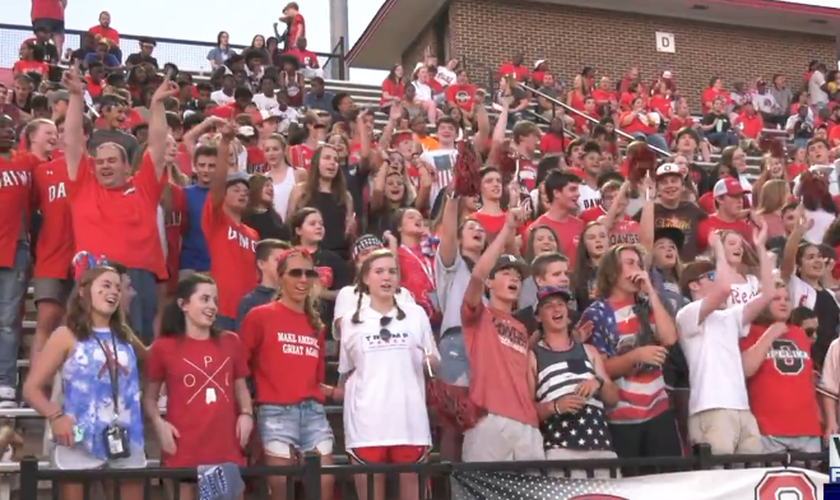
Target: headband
{"points": [[365, 242], [293, 251]]}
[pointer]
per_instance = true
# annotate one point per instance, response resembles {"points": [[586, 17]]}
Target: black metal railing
{"points": [[188, 55], [434, 478]]}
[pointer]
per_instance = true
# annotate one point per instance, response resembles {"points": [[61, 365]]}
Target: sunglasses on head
{"points": [[384, 333], [299, 273]]}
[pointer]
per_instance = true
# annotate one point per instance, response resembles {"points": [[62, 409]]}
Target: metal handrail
{"points": [[587, 117]]}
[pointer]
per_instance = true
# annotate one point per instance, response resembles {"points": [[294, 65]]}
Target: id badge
{"points": [[116, 442], [433, 298]]}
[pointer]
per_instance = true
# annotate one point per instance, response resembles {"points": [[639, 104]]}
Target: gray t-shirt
{"points": [[451, 286]]}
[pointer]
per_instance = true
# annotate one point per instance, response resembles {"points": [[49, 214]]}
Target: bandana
{"points": [[365, 242]]}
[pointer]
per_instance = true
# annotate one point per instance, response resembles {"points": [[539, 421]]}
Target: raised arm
{"points": [[158, 130], [647, 223], [448, 248], [74, 133], [788, 265], [723, 280], [218, 181], [481, 270], [768, 288]]}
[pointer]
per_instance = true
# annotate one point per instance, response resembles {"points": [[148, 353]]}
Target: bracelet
{"points": [[55, 416], [247, 413], [556, 408]]}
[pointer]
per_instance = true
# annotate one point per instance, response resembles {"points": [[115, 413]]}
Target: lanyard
{"points": [[113, 372], [427, 268]]}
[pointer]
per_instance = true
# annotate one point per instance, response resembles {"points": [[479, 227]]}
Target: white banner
{"points": [[742, 484]]}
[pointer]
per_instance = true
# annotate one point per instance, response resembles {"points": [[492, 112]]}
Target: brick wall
{"points": [[490, 31]]}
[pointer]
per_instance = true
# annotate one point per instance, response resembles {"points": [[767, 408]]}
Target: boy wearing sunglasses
{"points": [[709, 333]]}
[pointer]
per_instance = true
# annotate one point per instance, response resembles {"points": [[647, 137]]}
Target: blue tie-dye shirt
{"points": [[88, 396]]}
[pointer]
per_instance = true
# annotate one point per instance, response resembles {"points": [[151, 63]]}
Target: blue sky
{"points": [[241, 18]]}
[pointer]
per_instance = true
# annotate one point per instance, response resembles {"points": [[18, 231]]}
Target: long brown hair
{"points": [[609, 270], [361, 286], [255, 187], [310, 304], [773, 196], [338, 186], [78, 318]]}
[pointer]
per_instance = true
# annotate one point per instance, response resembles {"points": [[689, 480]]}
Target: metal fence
{"points": [[434, 479], [188, 55]]}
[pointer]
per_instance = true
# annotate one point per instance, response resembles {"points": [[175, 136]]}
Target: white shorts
{"points": [[500, 439], [65, 458]]}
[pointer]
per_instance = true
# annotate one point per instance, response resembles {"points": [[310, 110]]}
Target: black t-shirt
{"points": [[803, 129], [724, 125], [138, 58], [268, 224], [685, 218], [828, 315]]}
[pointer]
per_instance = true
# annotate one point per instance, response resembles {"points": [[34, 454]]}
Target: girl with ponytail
{"points": [[285, 344], [386, 348], [209, 416]]}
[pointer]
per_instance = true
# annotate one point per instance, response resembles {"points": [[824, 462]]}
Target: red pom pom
{"points": [[641, 160], [467, 181]]}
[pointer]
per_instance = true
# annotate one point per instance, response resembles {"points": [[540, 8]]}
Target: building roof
{"points": [[399, 22]]}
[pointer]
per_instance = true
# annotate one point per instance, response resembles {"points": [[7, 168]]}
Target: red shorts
{"points": [[401, 454]]}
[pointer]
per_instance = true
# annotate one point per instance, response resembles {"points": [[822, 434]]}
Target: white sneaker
{"points": [[8, 397]]}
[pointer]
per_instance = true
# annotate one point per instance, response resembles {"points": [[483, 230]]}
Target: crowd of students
{"points": [[542, 303]]}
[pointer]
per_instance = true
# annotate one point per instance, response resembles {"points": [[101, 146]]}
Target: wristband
{"points": [[55, 416]]}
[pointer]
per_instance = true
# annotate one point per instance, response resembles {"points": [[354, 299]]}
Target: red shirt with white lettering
{"points": [[201, 403], [300, 156], [782, 394], [174, 224], [119, 223], [15, 185], [55, 247], [233, 263], [47, 9], [285, 354]]}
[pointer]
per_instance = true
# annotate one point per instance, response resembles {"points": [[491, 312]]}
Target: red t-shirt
{"points": [[782, 395], [119, 223], [307, 58], [603, 96], [661, 105], [109, 33], [47, 9], [201, 403], [297, 28], [636, 125], [300, 156], [462, 95], [174, 224], [497, 348], [393, 89], [792, 170], [520, 73], [568, 233], [676, 124], [23, 67], [54, 251], [15, 186], [713, 222], [710, 94], [553, 143], [93, 88], [285, 355], [752, 126], [232, 247]]}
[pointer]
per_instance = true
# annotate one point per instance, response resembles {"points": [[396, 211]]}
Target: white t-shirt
{"points": [[265, 103], [220, 98], [445, 76], [716, 373], [818, 96], [423, 91], [743, 292], [451, 285], [588, 197], [385, 395], [348, 299]]}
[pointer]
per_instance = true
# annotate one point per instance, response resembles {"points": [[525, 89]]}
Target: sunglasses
{"points": [[384, 333], [299, 273], [710, 275], [811, 331]]}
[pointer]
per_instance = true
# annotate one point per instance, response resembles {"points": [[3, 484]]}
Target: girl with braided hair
{"points": [[285, 343], [386, 347]]}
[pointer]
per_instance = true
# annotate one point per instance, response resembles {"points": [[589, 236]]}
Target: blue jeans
{"points": [[286, 429], [12, 290], [454, 366], [722, 139], [143, 309]]}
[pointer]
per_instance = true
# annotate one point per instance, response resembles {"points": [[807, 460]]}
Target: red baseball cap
{"points": [[730, 186]]}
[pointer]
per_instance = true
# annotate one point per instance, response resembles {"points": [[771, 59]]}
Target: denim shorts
{"points": [[454, 366], [289, 429]]}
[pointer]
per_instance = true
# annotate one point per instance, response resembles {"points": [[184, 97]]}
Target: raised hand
{"points": [[167, 88], [72, 81]]}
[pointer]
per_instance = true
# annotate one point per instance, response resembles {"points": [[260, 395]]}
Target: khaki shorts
{"points": [[726, 431], [500, 439]]}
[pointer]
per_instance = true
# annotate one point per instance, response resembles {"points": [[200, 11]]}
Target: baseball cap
{"points": [[668, 169], [538, 62], [671, 233], [401, 135], [667, 75], [237, 177], [507, 261], [728, 185], [546, 292], [692, 272]]}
